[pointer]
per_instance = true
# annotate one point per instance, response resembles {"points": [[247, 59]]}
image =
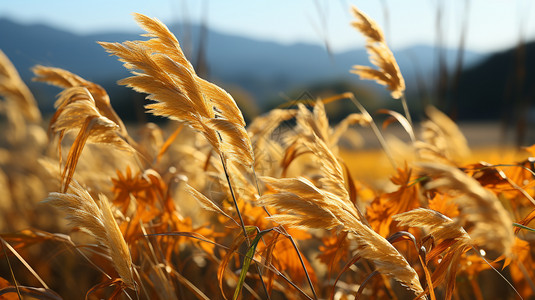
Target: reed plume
{"points": [[301, 204], [96, 218], [18, 105], [65, 79], [76, 110], [161, 70], [387, 72], [452, 240], [439, 226], [492, 226], [317, 122], [12, 88], [268, 150], [442, 140]]}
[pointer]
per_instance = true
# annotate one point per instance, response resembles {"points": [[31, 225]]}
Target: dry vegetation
{"points": [[212, 209]]}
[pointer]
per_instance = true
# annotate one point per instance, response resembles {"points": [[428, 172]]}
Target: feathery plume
{"points": [[453, 238], [19, 105], [492, 224], [268, 151], [96, 218], [301, 204], [65, 79], [442, 139], [77, 111], [367, 26], [388, 73], [440, 226], [166, 75], [14, 89]]}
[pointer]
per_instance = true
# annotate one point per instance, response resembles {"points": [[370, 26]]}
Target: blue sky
{"points": [[493, 24]]}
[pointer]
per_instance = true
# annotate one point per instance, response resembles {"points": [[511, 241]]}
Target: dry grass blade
{"points": [[190, 286], [21, 259], [492, 224], [401, 120], [454, 241], [96, 219], [301, 204], [388, 73], [239, 239], [35, 293], [168, 142]]}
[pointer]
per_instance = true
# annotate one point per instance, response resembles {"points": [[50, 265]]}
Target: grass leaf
{"points": [[247, 262]]}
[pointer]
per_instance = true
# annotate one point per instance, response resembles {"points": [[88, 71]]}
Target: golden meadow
{"points": [[209, 208]]}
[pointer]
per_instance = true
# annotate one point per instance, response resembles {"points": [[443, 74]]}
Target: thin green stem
{"points": [[242, 223], [523, 227]]}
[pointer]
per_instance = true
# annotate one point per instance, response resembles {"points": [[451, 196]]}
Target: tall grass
{"points": [[208, 208]]}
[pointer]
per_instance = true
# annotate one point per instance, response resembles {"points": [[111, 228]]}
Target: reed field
{"points": [[207, 207]]}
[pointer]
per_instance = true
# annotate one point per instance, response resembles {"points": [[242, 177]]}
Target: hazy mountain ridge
{"points": [[500, 87], [263, 68]]}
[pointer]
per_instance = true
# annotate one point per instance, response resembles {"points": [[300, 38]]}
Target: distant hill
{"points": [[501, 86], [262, 68]]}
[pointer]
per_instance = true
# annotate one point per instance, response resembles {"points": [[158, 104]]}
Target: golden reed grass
{"points": [[167, 76], [65, 79], [307, 225], [13, 89], [388, 73], [96, 218]]}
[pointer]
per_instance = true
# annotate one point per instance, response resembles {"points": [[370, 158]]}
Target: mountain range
{"points": [[264, 69]]}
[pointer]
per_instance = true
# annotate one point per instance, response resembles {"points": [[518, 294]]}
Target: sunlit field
{"points": [[206, 206]]}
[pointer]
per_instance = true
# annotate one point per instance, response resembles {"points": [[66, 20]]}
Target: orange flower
{"points": [[381, 210], [444, 205]]}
